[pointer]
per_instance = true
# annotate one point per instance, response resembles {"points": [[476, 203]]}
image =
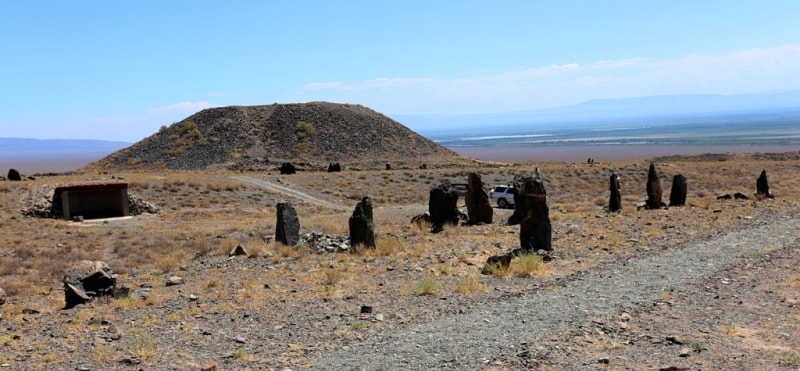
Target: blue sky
{"points": [[119, 70]]}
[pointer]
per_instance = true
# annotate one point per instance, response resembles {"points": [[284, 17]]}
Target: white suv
{"points": [[503, 195]]}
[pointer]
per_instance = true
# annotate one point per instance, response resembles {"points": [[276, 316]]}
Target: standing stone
{"points": [[287, 226], [535, 232], [615, 196], [479, 210], [677, 195], [287, 168], [654, 192], [87, 280], [13, 174], [362, 230], [443, 207], [762, 186]]}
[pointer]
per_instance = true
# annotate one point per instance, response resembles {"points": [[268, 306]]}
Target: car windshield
{"points": [[500, 189]]}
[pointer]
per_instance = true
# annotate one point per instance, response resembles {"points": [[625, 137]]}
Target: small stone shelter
{"points": [[93, 200]]}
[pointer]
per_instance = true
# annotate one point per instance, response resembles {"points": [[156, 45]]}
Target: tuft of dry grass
{"points": [[526, 265], [426, 286], [466, 285]]}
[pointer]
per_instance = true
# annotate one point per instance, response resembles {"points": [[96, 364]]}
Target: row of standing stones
{"points": [[677, 196], [88, 280]]}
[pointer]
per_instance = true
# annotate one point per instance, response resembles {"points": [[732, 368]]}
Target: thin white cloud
{"points": [[744, 71], [182, 107]]}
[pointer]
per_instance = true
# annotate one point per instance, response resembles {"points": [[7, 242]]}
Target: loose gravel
{"points": [[470, 340]]}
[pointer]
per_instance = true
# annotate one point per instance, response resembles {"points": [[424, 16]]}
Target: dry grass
{"points": [[205, 215]]}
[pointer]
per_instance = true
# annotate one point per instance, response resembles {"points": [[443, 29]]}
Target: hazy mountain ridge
{"points": [[604, 110], [12, 148]]}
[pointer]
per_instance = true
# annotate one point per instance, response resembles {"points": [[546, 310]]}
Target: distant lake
{"points": [[755, 132]]}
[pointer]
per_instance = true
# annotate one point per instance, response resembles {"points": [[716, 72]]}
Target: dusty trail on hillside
{"points": [[471, 340], [290, 192]]}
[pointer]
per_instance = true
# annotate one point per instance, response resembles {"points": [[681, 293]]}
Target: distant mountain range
{"points": [[15, 148], [605, 110]]}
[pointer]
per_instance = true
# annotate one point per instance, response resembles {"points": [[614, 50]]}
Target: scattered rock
{"points": [[210, 366], [174, 280], [421, 219], [740, 196], [479, 210], [239, 250], [675, 339], [287, 168], [615, 194], [497, 261], [2, 296], [287, 226], [684, 352], [726, 196], [142, 293], [366, 309], [86, 280], [362, 229], [325, 243], [13, 174], [677, 195]]}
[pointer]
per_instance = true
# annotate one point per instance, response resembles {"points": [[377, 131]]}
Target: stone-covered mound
{"points": [[310, 135]]}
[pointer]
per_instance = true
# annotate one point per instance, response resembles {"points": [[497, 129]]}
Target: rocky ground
{"points": [[721, 293]]}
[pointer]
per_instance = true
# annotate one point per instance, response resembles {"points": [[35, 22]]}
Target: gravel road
{"points": [[468, 341]]}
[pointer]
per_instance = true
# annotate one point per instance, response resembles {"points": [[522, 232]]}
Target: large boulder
{"points": [[479, 210], [87, 280], [535, 232], [762, 186], [362, 230], [443, 207], [677, 195], [615, 194], [287, 168], [334, 167], [287, 225], [13, 174], [654, 193]]}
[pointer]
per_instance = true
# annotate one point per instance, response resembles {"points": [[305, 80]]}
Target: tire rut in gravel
{"points": [[467, 341]]}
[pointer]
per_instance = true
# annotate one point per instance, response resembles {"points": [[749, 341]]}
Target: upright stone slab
{"points": [[13, 174], [479, 210], [762, 186], [334, 167], [615, 194], [443, 207], [654, 193], [677, 195], [362, 230], [287, 226], [535, 231]]}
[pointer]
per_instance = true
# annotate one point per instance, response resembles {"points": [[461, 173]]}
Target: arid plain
{"points": [[280, 306]]}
